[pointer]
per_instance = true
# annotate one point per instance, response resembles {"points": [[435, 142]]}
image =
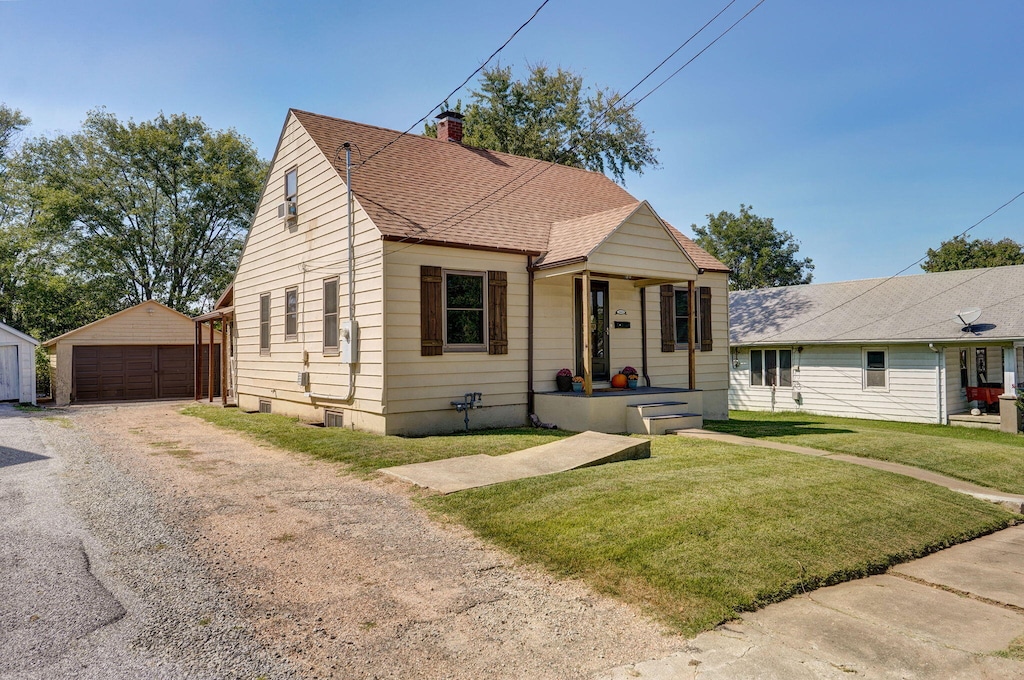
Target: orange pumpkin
{"points": [[618, 380]]}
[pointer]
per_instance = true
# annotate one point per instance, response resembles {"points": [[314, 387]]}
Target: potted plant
{"points": [[631, 377], [577, 383], [564, 380]]}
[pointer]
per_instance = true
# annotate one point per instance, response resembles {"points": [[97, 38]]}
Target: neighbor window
{"points": [[330, 316], [464, 310], [291, 184], [291, 313], [770, 367], [875, 369], [963, 368], [265, 323]]}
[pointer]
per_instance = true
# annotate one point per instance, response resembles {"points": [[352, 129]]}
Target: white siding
{"points": [[277, 257], [956, 396], [19, 367], [830, 379]]}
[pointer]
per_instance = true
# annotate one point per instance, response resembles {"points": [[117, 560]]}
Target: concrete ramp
{"points": [[467, 472]]}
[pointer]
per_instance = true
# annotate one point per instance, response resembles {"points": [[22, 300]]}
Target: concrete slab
{"points": [[467, 472]]}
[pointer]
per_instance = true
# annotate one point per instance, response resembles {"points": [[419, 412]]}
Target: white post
{"points": [[1010, 371]]}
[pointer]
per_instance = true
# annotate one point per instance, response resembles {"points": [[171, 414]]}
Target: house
{"points": [[888, 349], [143, 352], [407, 285], [17, 366]]}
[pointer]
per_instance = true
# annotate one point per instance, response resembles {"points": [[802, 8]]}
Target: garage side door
{"points": [[176, 371], [112, 373], [10, 384]]}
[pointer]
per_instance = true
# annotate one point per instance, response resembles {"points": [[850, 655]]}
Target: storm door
{"points": [[598, 328]]}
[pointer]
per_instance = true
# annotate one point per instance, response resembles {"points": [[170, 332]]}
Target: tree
{"points": [[552, 117], [159, 208], [759, 255], [12, 122], [962, 253]]}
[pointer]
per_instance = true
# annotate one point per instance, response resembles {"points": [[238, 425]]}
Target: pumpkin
{"points": [[618, 380]]}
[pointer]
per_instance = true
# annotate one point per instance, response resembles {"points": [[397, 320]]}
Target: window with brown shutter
{"points": [[431, 311], [668, 318], [497, 313], [705, 319]]}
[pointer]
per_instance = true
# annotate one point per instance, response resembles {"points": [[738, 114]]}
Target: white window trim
{"points": [[864, 369], [265, 351], [444, 321], [291, 337], [764, 368], [695, 303], [291, 197], [331, 350]]}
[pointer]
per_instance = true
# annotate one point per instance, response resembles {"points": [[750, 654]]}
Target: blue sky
{"points": [[871, 130]]}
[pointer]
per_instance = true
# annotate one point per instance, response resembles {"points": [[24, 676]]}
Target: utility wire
{"points": [[461, 85], [885, 280]]}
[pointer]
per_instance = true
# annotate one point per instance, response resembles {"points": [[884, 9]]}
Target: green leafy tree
{"points": [[12, 122], [759, 255], [551, 116], [960, 252], [158, 208]]}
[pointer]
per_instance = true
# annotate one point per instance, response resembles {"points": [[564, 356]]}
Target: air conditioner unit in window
{"points": [[288, 211]]}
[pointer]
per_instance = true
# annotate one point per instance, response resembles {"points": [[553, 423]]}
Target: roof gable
{"points": [[18, 334], [152, 304]]}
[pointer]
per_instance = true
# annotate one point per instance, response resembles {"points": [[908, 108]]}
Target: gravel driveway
{"points": [[233, 559]]}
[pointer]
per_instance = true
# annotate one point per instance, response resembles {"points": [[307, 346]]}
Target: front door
{"points": [[598, 328]]}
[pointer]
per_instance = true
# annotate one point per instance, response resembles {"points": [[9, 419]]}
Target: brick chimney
{"points": [[449, 126]]}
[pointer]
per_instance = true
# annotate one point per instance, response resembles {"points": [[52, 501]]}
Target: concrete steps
{"points": [[661, 417]]}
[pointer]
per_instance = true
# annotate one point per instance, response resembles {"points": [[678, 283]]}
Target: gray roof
{"points": [[917, 308]]}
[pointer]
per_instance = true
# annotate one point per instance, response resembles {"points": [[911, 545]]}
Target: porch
{"points": [[644, 410]]}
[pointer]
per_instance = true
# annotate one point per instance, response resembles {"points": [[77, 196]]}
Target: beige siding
{"points": [[278, 257], [420, 389], [830, 379], [642, 244]]}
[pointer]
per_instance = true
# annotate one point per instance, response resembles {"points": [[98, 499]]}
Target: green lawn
{"points": [[992, 459], [697, 534], [364, 453]]}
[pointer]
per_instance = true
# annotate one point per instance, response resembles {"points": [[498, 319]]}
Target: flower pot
{"points": [[577, 387], [564, 382], [631, 383]]}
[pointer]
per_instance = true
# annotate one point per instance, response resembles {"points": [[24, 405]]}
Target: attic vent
{"points": [[264, 406], [334, 419]]}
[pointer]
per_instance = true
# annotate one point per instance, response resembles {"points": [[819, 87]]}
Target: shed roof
{"points": [[434, 191], [4, 328], [918, 308]]}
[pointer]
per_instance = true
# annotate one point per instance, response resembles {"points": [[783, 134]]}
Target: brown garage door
{"points": [[122, 372]]}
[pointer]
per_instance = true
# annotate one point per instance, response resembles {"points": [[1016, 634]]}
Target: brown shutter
{"points": [[668, 318], [431, 311], [497, 312], [705, 319]]}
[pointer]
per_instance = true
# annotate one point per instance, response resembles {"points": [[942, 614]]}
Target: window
{"points": [[464, 321], [875, 373], [291, 313], [331, 316], [291, 184], [771, 367], [265, 323], [682, 312], [963, 368]]}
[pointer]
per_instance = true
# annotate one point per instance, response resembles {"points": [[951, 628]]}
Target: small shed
{"points": [[17, 366], [144, 352]]}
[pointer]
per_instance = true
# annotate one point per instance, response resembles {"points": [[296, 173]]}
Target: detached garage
{"points": [[17, 366], [143, 352]]}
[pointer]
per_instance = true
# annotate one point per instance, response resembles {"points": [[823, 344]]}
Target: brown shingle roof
{"points": [[576, 238], [420, 188]]}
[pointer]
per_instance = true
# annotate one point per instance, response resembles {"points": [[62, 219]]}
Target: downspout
{"points": [[938, 381], [351, 283], [643, 334], [529, 336]]}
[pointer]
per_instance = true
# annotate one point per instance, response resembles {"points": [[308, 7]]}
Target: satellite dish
{"points": [[967, 317]]}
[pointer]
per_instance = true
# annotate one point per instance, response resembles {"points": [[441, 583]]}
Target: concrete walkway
{"points": [[467, 472], [1014, 502]]}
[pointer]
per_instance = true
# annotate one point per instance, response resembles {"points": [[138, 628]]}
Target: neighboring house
{"points": [[17, 366], [143, 352], [888, 349], [465, 275]]}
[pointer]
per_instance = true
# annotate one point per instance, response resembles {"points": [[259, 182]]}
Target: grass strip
{"points": [[985, 457]]}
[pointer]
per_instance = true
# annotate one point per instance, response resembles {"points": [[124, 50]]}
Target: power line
{"points": [[885, 280], [461, 85]]}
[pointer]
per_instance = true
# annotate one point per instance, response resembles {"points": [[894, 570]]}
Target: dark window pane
{"points": [[876, 360], [465, 327], [291, 184], [682, 330], [770, 373], [756, 371], [465, 292], [963, 368], [331, 296], [264, 322], [785, 368]]}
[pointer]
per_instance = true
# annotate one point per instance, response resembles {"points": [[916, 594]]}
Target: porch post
{"points": [[223, 360], [198, 361], [1010, 371], [691, 323], [210, 357], [588, 360]]}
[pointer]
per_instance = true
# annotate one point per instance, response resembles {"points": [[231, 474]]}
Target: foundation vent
{"points": [[334, 419], [264, 406]]}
